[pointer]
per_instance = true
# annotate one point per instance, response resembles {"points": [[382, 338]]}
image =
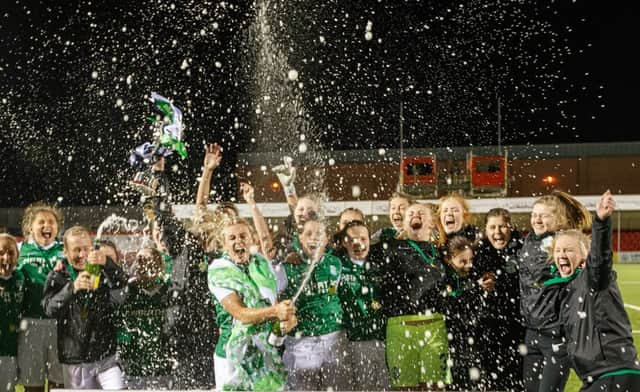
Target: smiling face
{"points": [[498, 231], [237, 242], [8, 256], [418, 222], [569, 253], [452, 215], [462, 262], [44, 228], [357, 242], [544, 219], [313, 239], [305, 209], [397, 209], [77, 248]]}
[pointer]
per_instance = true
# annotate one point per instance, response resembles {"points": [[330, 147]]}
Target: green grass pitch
{"points": [[629, 282]]}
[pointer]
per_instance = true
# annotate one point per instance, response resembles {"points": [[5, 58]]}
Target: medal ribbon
{"points": [[428, 260]]}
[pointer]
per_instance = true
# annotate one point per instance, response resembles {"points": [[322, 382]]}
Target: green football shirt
{"points": [[319, 310], [11, 298], [35, 264], [363, 318]]}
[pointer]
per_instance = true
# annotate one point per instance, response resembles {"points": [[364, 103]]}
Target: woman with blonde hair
{"points": [[598, 331], [246, 285], [546, 364], [37, 356], [410, 270]]}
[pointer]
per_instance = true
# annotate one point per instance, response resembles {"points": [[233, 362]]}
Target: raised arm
{"points": [[212, 159], [172, 231], [286, 175], [264, 236], [600, 259]]}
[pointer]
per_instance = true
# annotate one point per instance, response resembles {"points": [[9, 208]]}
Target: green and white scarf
{"points": [[256, 365]]}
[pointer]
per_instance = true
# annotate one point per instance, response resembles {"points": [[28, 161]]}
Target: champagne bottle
{"points": [[94, 270], [276, 335]]}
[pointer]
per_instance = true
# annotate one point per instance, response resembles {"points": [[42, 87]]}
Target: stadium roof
{"points": [[532, 151]]}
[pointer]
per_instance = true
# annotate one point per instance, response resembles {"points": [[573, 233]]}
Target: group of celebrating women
{"points": [[431, 302]]}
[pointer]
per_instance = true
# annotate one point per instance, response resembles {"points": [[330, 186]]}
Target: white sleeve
{"points": [[220, 293]]}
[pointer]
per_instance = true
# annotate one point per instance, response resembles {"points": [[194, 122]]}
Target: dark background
{"points": [[74, 77]]}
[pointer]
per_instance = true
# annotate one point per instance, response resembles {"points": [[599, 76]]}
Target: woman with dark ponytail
{"points": [[501, 322], [462, 302]]}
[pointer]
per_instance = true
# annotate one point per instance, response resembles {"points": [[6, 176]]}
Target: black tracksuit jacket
{"points": [[539, 304], [86, 319], [462, 301], [407, 282], [191, 314], [596, 325], [503, 304], [501, 323]]}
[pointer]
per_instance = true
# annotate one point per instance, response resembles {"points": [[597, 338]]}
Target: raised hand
{"points": [[285, 172], [212, 157], [248, 193], [606, 205], [97, 257], [288, 177], [159, 165]]}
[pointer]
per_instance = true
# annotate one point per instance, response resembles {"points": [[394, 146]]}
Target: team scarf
{"points": [[172, 132], [558, 279], [255, 364]]}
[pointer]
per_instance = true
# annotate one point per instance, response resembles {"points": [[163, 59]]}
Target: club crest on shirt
{"points": [[333, 270]]}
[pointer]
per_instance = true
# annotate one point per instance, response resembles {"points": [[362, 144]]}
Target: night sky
{"points": [[75, 75]]}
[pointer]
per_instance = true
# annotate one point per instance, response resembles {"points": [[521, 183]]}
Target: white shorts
{"points": [[368, 366], [317, 362], [105, 374], [222, 371], [38, 352], [153, 383], [8, 373]]}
